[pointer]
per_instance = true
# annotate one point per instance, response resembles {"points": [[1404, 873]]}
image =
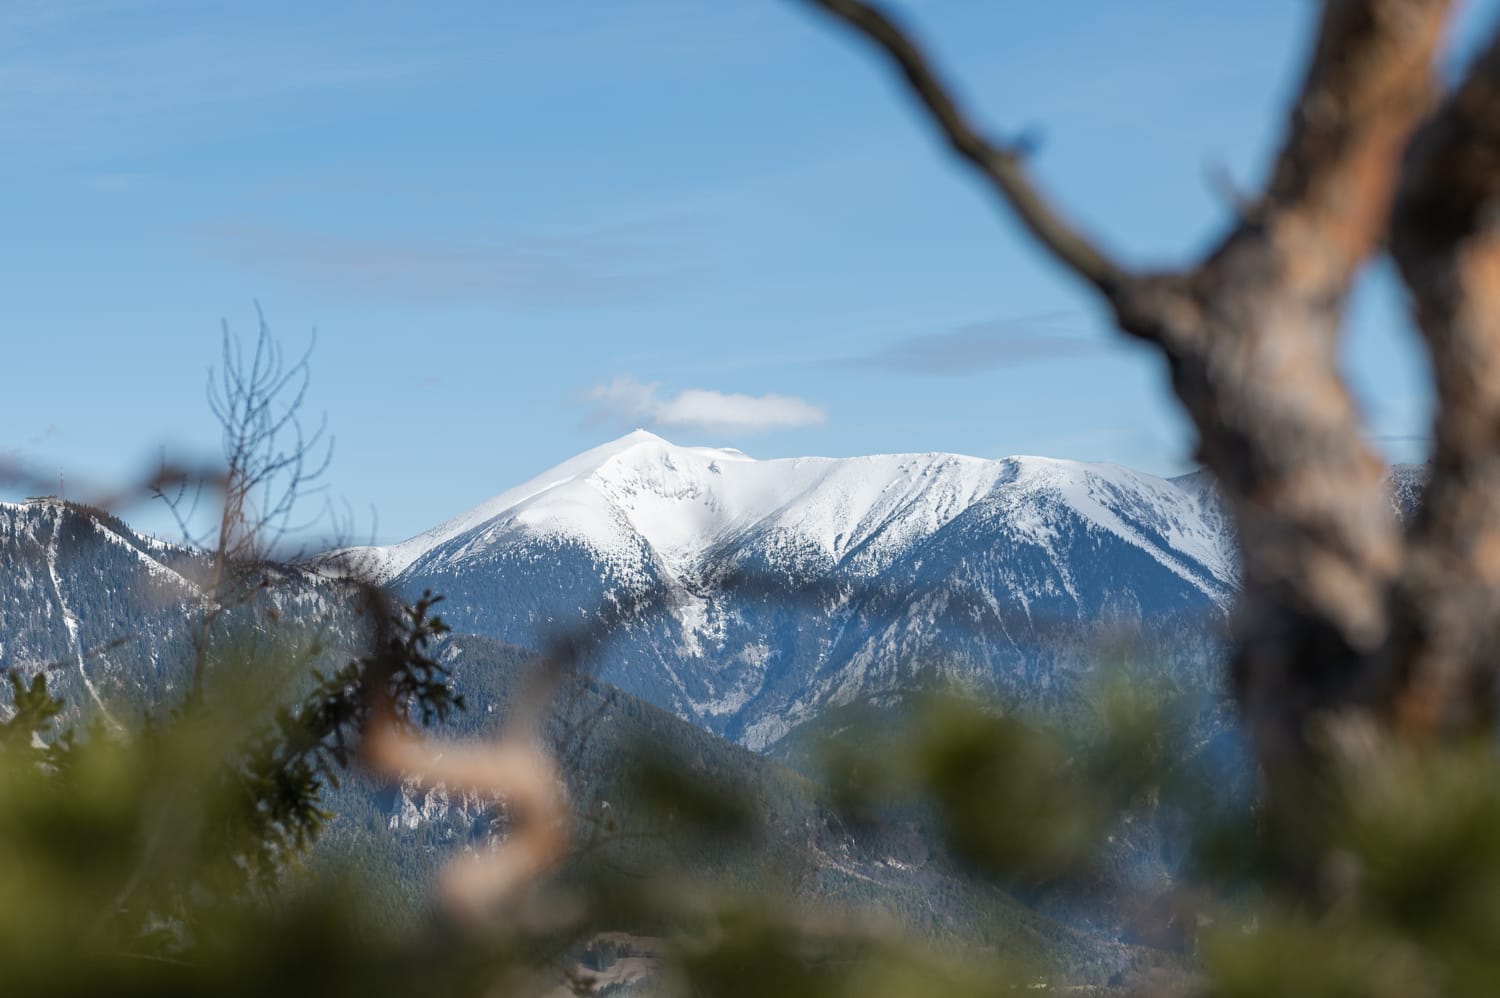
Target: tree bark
{"points": [[1251, 339], [1445, 236], [1276, 423]]}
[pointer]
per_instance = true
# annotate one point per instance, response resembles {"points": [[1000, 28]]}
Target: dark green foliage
{"points": [[675, 827], [1031, 801], [755, 949], [207, 852], [124, 855], [420, 682], [1408, 904], [35, 709], [703, 804], [273, 793]]}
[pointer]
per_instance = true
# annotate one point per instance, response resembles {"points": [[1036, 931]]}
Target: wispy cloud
{"points": [[586, 268], [627, 400], [979, 346], [99, 74]]}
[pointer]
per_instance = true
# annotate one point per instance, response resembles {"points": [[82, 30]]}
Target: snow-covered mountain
{"points": [[772, 589], [103, 609], [113, 616], [750, 595]]}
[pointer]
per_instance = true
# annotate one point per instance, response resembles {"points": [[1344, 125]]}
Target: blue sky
{"points": [[520, 229]]}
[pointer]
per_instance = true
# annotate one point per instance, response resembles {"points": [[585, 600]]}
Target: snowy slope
{"points": [[754, 593], [112, 615], [686, 503], [102, 608], [800, 582]]}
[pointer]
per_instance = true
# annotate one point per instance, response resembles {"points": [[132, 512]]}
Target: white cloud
{"points": [[627, 400]]}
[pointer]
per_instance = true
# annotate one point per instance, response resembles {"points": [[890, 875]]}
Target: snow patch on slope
{"points": [[684, 501], [649, 510], [1098, 491]]}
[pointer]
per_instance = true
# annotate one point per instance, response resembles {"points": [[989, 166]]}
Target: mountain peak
{"points": [[639, 435], [641, 438], [639, 454], [641, 496], [883, 561]]}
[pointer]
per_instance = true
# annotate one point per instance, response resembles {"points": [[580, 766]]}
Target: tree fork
{"points": [[1251, 340]]}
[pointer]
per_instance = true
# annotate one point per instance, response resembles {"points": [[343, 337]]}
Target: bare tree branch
{"points": [[271, 463], [1445, 236], [1368, 84], [1002, 166], [1275, 418], [1251, 341]]}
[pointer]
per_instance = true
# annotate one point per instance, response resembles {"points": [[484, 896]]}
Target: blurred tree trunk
{"points": [[1344, 613], [1445, 236]]}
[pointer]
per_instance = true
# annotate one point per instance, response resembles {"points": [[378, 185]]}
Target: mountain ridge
{"points": [[857, 485], [745, 596], [789, 584]]}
